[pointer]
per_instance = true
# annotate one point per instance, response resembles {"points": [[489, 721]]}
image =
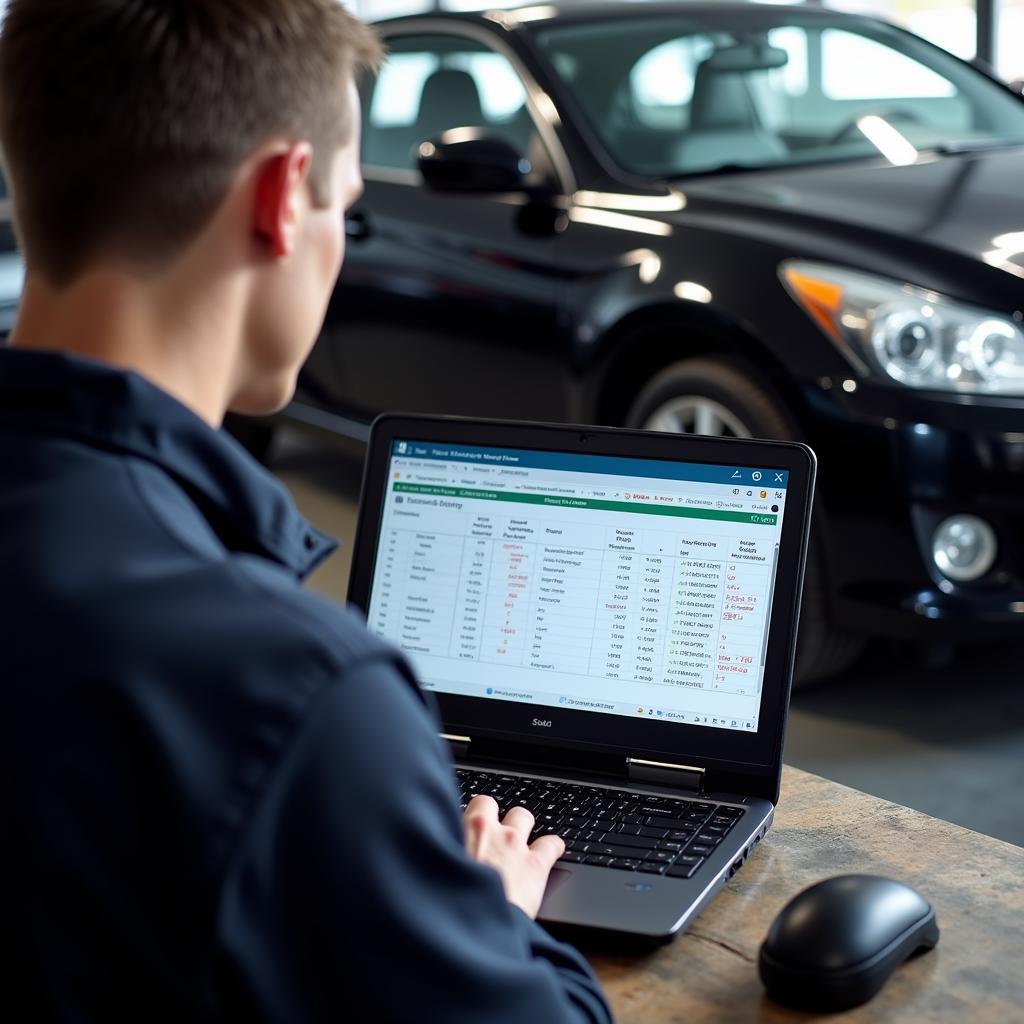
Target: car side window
{"points": [[432, 84]]}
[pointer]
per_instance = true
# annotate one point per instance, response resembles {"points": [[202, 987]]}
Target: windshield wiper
{"points": [[955, 146], [730, 168]]}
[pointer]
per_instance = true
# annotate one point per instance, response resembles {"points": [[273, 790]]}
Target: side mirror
{"points": [[468, 160]]}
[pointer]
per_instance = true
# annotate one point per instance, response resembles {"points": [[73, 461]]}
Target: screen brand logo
{"points": [[544, 723]]}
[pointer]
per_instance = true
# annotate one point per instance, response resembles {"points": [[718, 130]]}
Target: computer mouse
{"points": [[835, 944]]}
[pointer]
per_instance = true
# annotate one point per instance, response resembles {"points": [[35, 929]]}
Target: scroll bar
{"points": [[771, 601]]}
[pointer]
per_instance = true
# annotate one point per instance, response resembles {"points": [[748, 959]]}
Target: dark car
{"points": [[720, 218]]}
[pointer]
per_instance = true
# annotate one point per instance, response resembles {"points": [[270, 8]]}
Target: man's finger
{"points": [[521, 820], [549, 849], [482, 806]]}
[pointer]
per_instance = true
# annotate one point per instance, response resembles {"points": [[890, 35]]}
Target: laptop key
{"points": [[652, 867], [662, 856], [599, 849], [547, 830], [677, 823], [682, 870], [597, 860], [700, 848], [629, 852], [637, 842], [625, 864], [689, 858], [573, 857], [708, 839], [653, 833]]}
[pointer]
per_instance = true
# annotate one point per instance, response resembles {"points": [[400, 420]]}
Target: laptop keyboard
{"points": [[611, 828]]}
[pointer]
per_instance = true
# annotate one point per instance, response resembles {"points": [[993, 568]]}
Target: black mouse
{"points": [[834, 945]]}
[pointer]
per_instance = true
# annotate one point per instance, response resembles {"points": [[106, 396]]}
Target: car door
{"points": [[448, 303]]}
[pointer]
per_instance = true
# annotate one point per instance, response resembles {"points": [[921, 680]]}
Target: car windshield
{"points": [[695, 93]]}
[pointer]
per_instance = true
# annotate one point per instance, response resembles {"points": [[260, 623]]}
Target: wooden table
{"points": [[976, 884]]}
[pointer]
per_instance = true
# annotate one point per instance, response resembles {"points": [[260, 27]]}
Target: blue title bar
{"points": [[657, 469]]}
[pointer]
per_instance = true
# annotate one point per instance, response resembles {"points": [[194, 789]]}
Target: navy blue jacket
{"points": [[222, 798]]}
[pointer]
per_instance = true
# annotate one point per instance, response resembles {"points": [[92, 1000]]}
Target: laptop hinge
{"points": [[663, 773], [459, 744]]}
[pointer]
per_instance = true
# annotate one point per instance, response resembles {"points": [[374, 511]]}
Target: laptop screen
{"points": [[619, 586]]}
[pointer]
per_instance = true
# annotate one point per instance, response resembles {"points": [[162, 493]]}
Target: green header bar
{"points": [[558, 501]]}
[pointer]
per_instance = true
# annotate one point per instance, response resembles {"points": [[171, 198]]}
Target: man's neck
{"points": [[188, 350]]}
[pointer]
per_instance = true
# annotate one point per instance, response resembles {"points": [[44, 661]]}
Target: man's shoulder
{"points": [[155, 605], [296, 615]]}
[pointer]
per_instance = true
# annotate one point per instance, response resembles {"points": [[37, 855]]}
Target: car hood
{"points": [[971, 204]]}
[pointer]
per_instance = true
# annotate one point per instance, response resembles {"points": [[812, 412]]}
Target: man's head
{"points": [[128, 126]]}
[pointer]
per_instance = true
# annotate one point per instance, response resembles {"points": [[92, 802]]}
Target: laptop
{"points": [[607, 619]]}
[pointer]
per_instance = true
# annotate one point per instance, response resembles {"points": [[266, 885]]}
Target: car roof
{"points": [[564, 11]]}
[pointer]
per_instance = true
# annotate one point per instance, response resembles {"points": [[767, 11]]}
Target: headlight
{"points": [[912, 336]]}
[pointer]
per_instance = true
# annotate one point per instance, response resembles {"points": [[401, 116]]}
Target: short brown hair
{"points": [[123, 122]]}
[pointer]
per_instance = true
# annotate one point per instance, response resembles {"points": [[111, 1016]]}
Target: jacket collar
{"points": [[119, 410]]}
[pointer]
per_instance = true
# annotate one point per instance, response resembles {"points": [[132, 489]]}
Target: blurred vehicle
{"points": [[724, 219], [719, 218]]}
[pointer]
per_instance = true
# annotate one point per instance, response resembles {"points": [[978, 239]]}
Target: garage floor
{"points": [[947, 741]]}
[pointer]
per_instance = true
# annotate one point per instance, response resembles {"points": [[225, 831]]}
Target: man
{"points": [[223, 800]]}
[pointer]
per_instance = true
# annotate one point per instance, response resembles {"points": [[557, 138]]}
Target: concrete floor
{"points": [[947, 741]]}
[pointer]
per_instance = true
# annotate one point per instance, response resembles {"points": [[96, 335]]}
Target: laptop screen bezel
{"points": [[725, 754]]}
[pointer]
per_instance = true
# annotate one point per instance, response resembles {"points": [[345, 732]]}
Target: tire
{"points": [[710, 396]]}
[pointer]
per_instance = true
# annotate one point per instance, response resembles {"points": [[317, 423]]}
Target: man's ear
{"points": [[280, 180]]}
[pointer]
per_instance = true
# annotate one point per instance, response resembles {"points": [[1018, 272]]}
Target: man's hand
{"points": [[524, 869]]}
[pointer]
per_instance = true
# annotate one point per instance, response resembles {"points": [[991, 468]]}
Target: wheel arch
{"points": [[644, 342]]}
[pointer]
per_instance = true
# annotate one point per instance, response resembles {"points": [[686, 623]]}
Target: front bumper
{"points": [[894, 464]]}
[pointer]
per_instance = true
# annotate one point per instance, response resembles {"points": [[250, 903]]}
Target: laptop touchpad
{"points": [[558, 877]]}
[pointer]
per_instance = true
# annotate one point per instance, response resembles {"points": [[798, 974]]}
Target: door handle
{"points": [[357, 226]]}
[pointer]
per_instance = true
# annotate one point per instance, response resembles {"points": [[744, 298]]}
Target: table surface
{"points": [[975, 883]]}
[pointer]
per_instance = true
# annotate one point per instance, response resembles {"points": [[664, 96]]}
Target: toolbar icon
{"points": [[755, 476]]}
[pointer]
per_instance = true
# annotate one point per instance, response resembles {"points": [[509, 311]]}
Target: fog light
{"points": [[964, 548]]}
